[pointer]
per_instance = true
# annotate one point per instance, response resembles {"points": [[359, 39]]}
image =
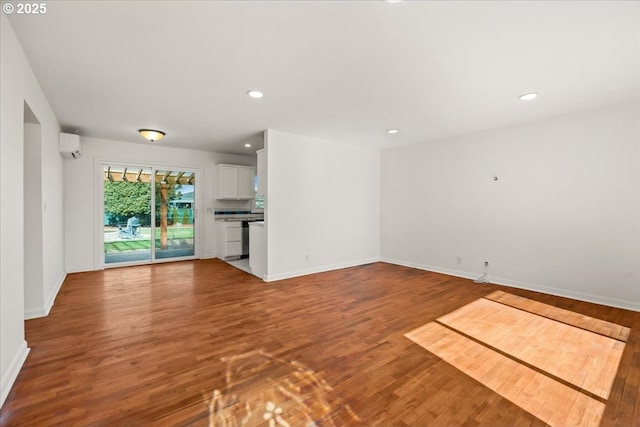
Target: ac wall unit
{"points": [[69, 145]]}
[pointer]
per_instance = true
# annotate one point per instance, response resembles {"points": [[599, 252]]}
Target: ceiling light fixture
{"points": [[151, 135], [393, 1], [255, 94], [528, 96], [392, 131], [247, 145]]}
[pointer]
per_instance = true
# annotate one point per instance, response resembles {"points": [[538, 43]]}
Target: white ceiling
{"points": [[339, 70]]}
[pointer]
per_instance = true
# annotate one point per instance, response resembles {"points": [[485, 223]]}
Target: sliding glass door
{"points": [[127, 214], [149, 214], [174, 214]]}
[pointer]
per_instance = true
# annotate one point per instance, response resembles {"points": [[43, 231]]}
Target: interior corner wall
{"points": [[322, 205], [32, 181], [18, 85], [563, 216], [81, 209]]}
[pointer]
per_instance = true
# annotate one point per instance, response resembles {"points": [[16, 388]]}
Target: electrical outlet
{"points": [[458, 259]]}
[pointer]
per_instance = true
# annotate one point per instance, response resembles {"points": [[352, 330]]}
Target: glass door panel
{"points": [[174, 214], [127, 214]]}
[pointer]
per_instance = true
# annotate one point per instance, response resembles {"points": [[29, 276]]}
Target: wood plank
{"points": [[583, 358], [549, 400], [588, 323], [139, 176], [144, 346]]}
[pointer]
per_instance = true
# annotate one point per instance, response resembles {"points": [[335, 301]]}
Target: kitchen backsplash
{"points": [[231, 212], [234, 214]]}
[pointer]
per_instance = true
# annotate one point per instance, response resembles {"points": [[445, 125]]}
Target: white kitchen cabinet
{"points": [[227, 182], [262, 172], [235, 182], [245, 183], [229, 239]]}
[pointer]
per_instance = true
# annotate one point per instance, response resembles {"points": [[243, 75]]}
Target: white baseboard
{"points": [[35, 313], [54, 293], [83, 269], [596, 299], [426, 267], [320, 269], [9, 377]]}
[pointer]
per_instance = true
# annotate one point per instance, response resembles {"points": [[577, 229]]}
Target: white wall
{"points": [[562, 218], [17, 86], [323, 200], [33, 262], [83, 217]]}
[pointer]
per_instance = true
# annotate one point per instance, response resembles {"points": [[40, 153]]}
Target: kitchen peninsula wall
{"points": [[306, 179]]}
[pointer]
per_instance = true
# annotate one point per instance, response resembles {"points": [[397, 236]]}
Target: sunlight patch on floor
{"points": [[554, 370]]}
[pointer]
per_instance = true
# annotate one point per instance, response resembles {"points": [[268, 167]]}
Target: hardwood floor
{"points": [[145, 346], [559, 372]]}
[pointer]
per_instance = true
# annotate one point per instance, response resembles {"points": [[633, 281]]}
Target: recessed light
{"points": [[247, 145], [528, 96], [255, 94], [392, 131], [393, 1]]}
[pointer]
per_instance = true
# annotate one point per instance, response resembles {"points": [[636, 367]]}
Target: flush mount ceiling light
{"points": [[392, 131], [255, 94], [247, 145], [528, 96], [393, 1], [151, 135]]}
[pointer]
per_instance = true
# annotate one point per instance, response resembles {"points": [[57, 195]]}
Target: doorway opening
{"points": [[34, 206]]}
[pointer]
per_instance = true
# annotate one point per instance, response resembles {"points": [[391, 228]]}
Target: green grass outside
{"points": [[184, 232], [144, 243], [133, 245]]}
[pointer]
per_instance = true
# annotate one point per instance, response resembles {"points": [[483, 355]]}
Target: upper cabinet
{"points": [[245, 182], [262, 172], [235, 182]]}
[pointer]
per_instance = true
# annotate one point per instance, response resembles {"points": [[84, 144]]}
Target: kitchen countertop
{"points": [[240, 217]]}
